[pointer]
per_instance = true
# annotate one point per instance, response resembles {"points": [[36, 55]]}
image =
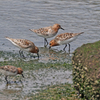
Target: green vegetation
{"points": [[10, 58], [86, 74], [86, 71], [57, 92]]}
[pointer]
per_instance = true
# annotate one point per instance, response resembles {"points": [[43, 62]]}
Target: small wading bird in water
{"points": [[9, 70], [24, 45], [64, 39], [47, 32]]}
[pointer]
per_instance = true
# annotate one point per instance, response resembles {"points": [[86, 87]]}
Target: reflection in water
{"points": [[18, 16], [35, 80], [40, 79], [13, 88], [46, 55], [54, 55], [11, 91]]}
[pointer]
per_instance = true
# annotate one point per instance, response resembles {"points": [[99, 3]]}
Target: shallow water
{"points": [[50, 69], [18, 16], [34, 82]]}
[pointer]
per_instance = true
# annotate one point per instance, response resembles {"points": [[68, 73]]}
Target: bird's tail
{"points": [[10, 39], [79, 33], [31, 30], [7, 37]]}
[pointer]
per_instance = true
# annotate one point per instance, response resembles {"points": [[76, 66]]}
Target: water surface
{"points": [[18, 16]]}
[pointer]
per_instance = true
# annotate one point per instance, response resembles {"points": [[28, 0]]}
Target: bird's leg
{"points": [[45, 42], [65, 47], [38, 55], [69, 47], [6, 79], [21, 53]]}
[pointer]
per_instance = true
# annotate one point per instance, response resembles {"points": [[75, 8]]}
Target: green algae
{"points": [[31, 67], [57, 92], [9, 58], [86, 70]]}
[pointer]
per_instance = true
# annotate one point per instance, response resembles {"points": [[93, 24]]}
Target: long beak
{"points": [[22, 75], [49, 47], [61, 28], [38, 55]]}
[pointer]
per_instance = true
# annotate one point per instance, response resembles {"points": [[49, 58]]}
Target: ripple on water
{"points": [[34, 81], [18, 16]]}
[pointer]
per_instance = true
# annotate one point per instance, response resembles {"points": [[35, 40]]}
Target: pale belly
{"points": [[26, 50], [67, 41], [7, 73], [23, 49], [48, 35]]}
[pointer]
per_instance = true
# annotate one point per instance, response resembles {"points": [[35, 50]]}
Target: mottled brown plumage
{"points": [[64, 38], [9, 70], [47, 32], [24, 45]]}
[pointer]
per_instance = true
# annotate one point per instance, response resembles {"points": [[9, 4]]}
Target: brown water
{"points": [[18, 16]]}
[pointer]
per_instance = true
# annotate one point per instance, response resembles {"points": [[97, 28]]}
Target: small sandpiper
{"points": [[9, 70], [64, 39], [47, 32], [24, 45]]}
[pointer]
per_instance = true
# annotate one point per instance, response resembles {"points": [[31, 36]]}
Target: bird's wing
{"points": [[21, 42], [64, 36], [42, 31], [9, 68]]}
